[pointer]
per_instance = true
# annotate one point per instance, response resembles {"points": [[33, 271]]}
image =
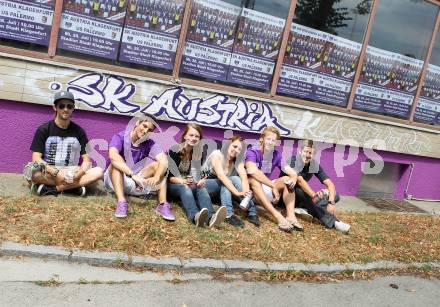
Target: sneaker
{"points": [[164, 210], [253, 219], [342, 227], [234, 221], [201, 217], [121, 208], [81, 191], [303, 214], [44, 190], [218, 217]]}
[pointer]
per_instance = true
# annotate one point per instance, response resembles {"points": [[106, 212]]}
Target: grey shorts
{"points": [[130, 187]]}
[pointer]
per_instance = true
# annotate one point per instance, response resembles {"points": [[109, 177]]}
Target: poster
{"points": [[428, 106], [388, 83], [26, 20], [209, 39], [318, 66], [255, 49], [92, 27], [151, 32]]}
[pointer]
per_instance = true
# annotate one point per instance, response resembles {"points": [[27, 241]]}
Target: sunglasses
{"points": [[62, 106]]}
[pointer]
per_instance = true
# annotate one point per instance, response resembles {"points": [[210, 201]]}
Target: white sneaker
{"points": [[218, 217], [343, 227], [303, 214], [201, 217]]}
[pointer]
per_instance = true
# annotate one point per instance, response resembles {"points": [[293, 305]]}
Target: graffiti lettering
{"points": [[216, 110], [114, 94]]}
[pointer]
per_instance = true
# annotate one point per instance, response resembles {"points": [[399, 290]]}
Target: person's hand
{"points": [[60, 178], [276, 196], [78, 175], [331, 209], [291, 186], [241, 194], [319, 194], [152, 181], [138, 180], [201, 183]]}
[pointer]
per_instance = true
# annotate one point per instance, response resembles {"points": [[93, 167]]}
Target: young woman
{"points": [[183, 163], [227, 178]]}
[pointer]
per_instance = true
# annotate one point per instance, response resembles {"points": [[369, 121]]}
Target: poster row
{"points": [[230, 44]]}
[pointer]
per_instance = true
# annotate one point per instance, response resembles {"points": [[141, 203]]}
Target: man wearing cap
{"points": [[137, 167], [57, 147]]}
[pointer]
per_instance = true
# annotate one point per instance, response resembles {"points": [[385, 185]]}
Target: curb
{"points": [[8, 248]]}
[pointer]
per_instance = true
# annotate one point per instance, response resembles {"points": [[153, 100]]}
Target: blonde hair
{"points": [[271, 129]]}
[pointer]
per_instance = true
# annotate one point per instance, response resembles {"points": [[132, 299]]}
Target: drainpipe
{"points": [[409, 196]]}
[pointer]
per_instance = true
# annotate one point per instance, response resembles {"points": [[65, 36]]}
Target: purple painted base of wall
{"points": [[18, 122]]}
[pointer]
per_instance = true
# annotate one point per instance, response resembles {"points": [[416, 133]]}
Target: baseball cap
{"points": [[63, 95]]}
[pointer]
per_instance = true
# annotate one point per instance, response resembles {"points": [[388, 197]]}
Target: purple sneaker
{"points": [[121, 208], [164, 210]]}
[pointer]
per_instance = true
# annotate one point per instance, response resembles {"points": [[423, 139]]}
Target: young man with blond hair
{"points": [[261, 161], [137, 167]]}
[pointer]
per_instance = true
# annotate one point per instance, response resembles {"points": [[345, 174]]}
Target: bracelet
{"points": [[55, 174]]}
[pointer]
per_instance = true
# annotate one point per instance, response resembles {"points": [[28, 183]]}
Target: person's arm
{"points": [[289, 171], [118, 162], [85, 165], [304, 185], [255, 173], [217, 165], [331, 195], [243, 176], [49, 169]]}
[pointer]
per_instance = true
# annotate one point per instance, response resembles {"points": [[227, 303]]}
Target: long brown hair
{"points": [[184, 153], [231, 140]]}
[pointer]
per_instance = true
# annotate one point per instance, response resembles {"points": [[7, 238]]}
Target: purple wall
{"points": [[18, 122]]}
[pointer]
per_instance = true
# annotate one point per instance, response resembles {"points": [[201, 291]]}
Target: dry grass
{"points": [[90, 224]]}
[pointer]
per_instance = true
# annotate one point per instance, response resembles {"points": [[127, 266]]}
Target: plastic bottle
{"points": [[244, 204]]}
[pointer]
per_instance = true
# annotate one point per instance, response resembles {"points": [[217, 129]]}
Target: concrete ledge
{"points": [[164, 262], [200, 263], [109, 258], [285, 266], [246, 265], [99, 257], [326, 268], [41, 251]]}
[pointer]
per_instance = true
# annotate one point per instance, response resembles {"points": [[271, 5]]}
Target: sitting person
{"points": [[57, 147], [226, 177], [184, 160], [321, 204], [261, 161], [137, 166]]}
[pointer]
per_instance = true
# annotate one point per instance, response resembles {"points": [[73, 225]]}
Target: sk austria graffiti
{"points": [[112, 93]]}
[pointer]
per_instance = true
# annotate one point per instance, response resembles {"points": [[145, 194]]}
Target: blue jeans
{"points": [[318, 210], [216, 187], [193, 200]]}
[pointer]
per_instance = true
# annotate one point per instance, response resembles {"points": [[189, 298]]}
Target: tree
{"points": [[325, 15]]}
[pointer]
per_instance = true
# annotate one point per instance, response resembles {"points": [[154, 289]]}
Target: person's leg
{"points": [[261, 199], [41, 178], [186, 196], [288, 198], [316, 210], [204, 200], [117, 181]]}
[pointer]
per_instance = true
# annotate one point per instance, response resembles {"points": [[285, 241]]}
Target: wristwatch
{"points": [[332, 202], [55, 174]]}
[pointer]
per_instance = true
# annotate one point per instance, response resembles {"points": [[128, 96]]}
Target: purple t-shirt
{"points": [[145, 149], [267, 164]]}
